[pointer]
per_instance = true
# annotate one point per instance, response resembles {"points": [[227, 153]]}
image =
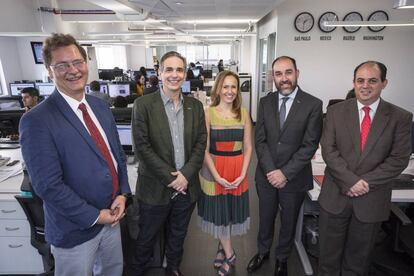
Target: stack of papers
{"points": [[10, 169]]}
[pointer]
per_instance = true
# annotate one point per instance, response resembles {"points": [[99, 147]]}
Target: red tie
{"points": [[99, 141], [365, 126]]}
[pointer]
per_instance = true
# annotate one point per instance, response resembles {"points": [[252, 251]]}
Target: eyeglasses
{"points": [[65, 66]]}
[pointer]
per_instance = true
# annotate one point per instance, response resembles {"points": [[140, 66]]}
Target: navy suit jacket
{"points": [[67, 169]]}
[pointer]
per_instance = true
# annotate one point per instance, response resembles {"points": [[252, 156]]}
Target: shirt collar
{"points": [[166, 99], [372, 106], [74, 104], [291, 95]]}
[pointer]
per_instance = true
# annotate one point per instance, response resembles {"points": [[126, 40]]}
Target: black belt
{"points": [[225, 153]]}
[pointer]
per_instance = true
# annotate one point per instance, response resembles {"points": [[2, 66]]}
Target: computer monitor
{"points": [[186, 88], [10, 103], [15, 88], [125, 137], [208, 74], [150, 73], [196, 85], [45, 88], [103, 88], [9, 122], [118, 89], [122, 115], [196, 72], [110, 74]]}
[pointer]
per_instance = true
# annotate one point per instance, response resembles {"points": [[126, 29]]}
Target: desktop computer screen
{"points": [[150, 73], [208, 74], [118, 89], [109, 74], [125, 137], [186, 87], [45, 88], [15, 88], [196, 85], [103, 88]]}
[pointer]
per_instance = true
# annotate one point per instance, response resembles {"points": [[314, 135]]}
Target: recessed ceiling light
{"points": [[179, 3]]}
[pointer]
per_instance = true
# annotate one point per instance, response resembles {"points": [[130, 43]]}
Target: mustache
{"points": [[285, 82]]}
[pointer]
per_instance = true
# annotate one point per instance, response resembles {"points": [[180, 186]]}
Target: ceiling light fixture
{"points": [[217, 21], [403, 4], [119, 34], [215, 31], [368, 23]]}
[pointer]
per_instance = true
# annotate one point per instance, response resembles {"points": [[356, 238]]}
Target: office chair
{"points": [[395, 255], [33, 208]]}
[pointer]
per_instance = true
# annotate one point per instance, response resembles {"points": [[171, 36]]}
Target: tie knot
{"points": [[82, 107], [284, 99], [366, 109]]}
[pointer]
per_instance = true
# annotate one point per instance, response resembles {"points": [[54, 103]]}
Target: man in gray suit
{"points": [[288, 130], [170, 138], [365, 144]]}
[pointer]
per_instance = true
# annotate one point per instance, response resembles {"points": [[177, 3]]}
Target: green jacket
{"points": [[154, 148]]}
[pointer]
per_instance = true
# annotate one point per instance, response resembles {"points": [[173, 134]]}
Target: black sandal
{"points": [[230, 263], [218, 262]]}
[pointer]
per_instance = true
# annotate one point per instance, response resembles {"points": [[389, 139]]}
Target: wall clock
{"points": [[304, 22], [327, 16], [352, 16], [377, 16]]}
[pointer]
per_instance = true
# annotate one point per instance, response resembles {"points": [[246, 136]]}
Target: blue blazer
{"points": [[67, 169]]}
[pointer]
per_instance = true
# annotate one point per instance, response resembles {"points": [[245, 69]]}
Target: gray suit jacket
{"points": [[290, 149], [385, 156], [154, 148]]}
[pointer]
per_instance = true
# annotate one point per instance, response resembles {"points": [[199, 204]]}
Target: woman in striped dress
{"points": [[223, 208]]}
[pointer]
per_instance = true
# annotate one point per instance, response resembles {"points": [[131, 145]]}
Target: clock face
{"points": [[327, 16], [377, 16], [304, 22], [352, 16]]}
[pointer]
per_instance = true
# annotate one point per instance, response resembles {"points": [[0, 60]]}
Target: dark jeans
{"points": [[175, 216]]}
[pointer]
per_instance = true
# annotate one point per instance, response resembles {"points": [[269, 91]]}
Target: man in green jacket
{"points": [[170, 137]]}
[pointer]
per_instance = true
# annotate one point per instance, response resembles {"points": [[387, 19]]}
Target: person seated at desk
{"points": [[140, 79], [30, 97], [153, 81], [95, 88]]}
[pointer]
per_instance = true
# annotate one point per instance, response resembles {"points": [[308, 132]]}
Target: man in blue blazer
{"points": [[73, 155]]}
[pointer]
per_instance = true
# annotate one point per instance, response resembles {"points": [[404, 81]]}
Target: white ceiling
{"points": [[163, 22]]}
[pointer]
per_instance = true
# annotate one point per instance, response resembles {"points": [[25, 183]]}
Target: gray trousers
{"points": [[101, 255]]}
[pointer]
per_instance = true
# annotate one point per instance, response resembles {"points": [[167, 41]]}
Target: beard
{"points": [[285, 91]]}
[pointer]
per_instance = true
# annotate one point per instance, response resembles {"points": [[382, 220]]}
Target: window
{"points": [[111, 56], [207, 55], [3, 88]]}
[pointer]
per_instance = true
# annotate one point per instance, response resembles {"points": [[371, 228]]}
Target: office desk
{"points": [[318, 167], [17, 255]]}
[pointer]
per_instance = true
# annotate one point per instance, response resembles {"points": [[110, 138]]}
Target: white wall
{"points": [[30, 70], [326, 67], [10, 61], [136, 57]]}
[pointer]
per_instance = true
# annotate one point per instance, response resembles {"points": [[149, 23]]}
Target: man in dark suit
{"points": [[77, 166], [288, 130], [365, 144], [170, 139]]}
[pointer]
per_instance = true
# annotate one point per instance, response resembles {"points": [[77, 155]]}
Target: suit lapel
{"points": [[351, 118], [377, 127], [71, 117], [161, 120]]}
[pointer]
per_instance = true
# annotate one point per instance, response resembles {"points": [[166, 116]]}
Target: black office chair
{"points": [[32, 206]]}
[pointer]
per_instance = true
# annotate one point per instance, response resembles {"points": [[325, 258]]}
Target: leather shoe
{"points": [[173, 272], [257, 261], [281, 268]]}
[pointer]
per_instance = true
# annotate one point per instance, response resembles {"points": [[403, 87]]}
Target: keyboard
{"points": [[403, 182], [8, 141]]}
